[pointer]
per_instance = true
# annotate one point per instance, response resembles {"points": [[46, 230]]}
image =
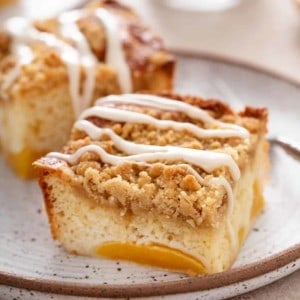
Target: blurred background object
{"points": [[201, 5], [297, 2], [35, 8], [260, 32], [4, 2]]}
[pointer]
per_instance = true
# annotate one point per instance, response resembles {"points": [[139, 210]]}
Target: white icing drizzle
{"points": [[86, 59], [74, 57], [229, 130], [207, 160], [120, 115], [115, 55]]}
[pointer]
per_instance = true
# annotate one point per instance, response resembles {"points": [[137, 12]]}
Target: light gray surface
{"points": [[26, 247], [283, 289]]}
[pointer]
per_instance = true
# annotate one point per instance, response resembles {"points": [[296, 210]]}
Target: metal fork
{"points": [[290, 146]]}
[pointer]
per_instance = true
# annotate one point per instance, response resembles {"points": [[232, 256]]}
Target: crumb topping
{"points": [[164, 187]]}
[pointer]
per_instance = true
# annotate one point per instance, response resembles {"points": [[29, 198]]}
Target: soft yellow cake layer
{"points": [[30, 126]]}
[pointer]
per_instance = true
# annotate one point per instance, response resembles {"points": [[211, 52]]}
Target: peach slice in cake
{"points": [[51, 70], [169, 181]]}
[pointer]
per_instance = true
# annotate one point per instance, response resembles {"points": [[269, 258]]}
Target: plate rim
{"points": [[236, 62], [185, 285], [180, 286]]}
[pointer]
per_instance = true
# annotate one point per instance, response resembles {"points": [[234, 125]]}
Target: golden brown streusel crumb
{"points": [[126, 186]]}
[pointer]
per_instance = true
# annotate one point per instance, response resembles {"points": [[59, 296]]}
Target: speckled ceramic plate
{"points": [[29, 259]]}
